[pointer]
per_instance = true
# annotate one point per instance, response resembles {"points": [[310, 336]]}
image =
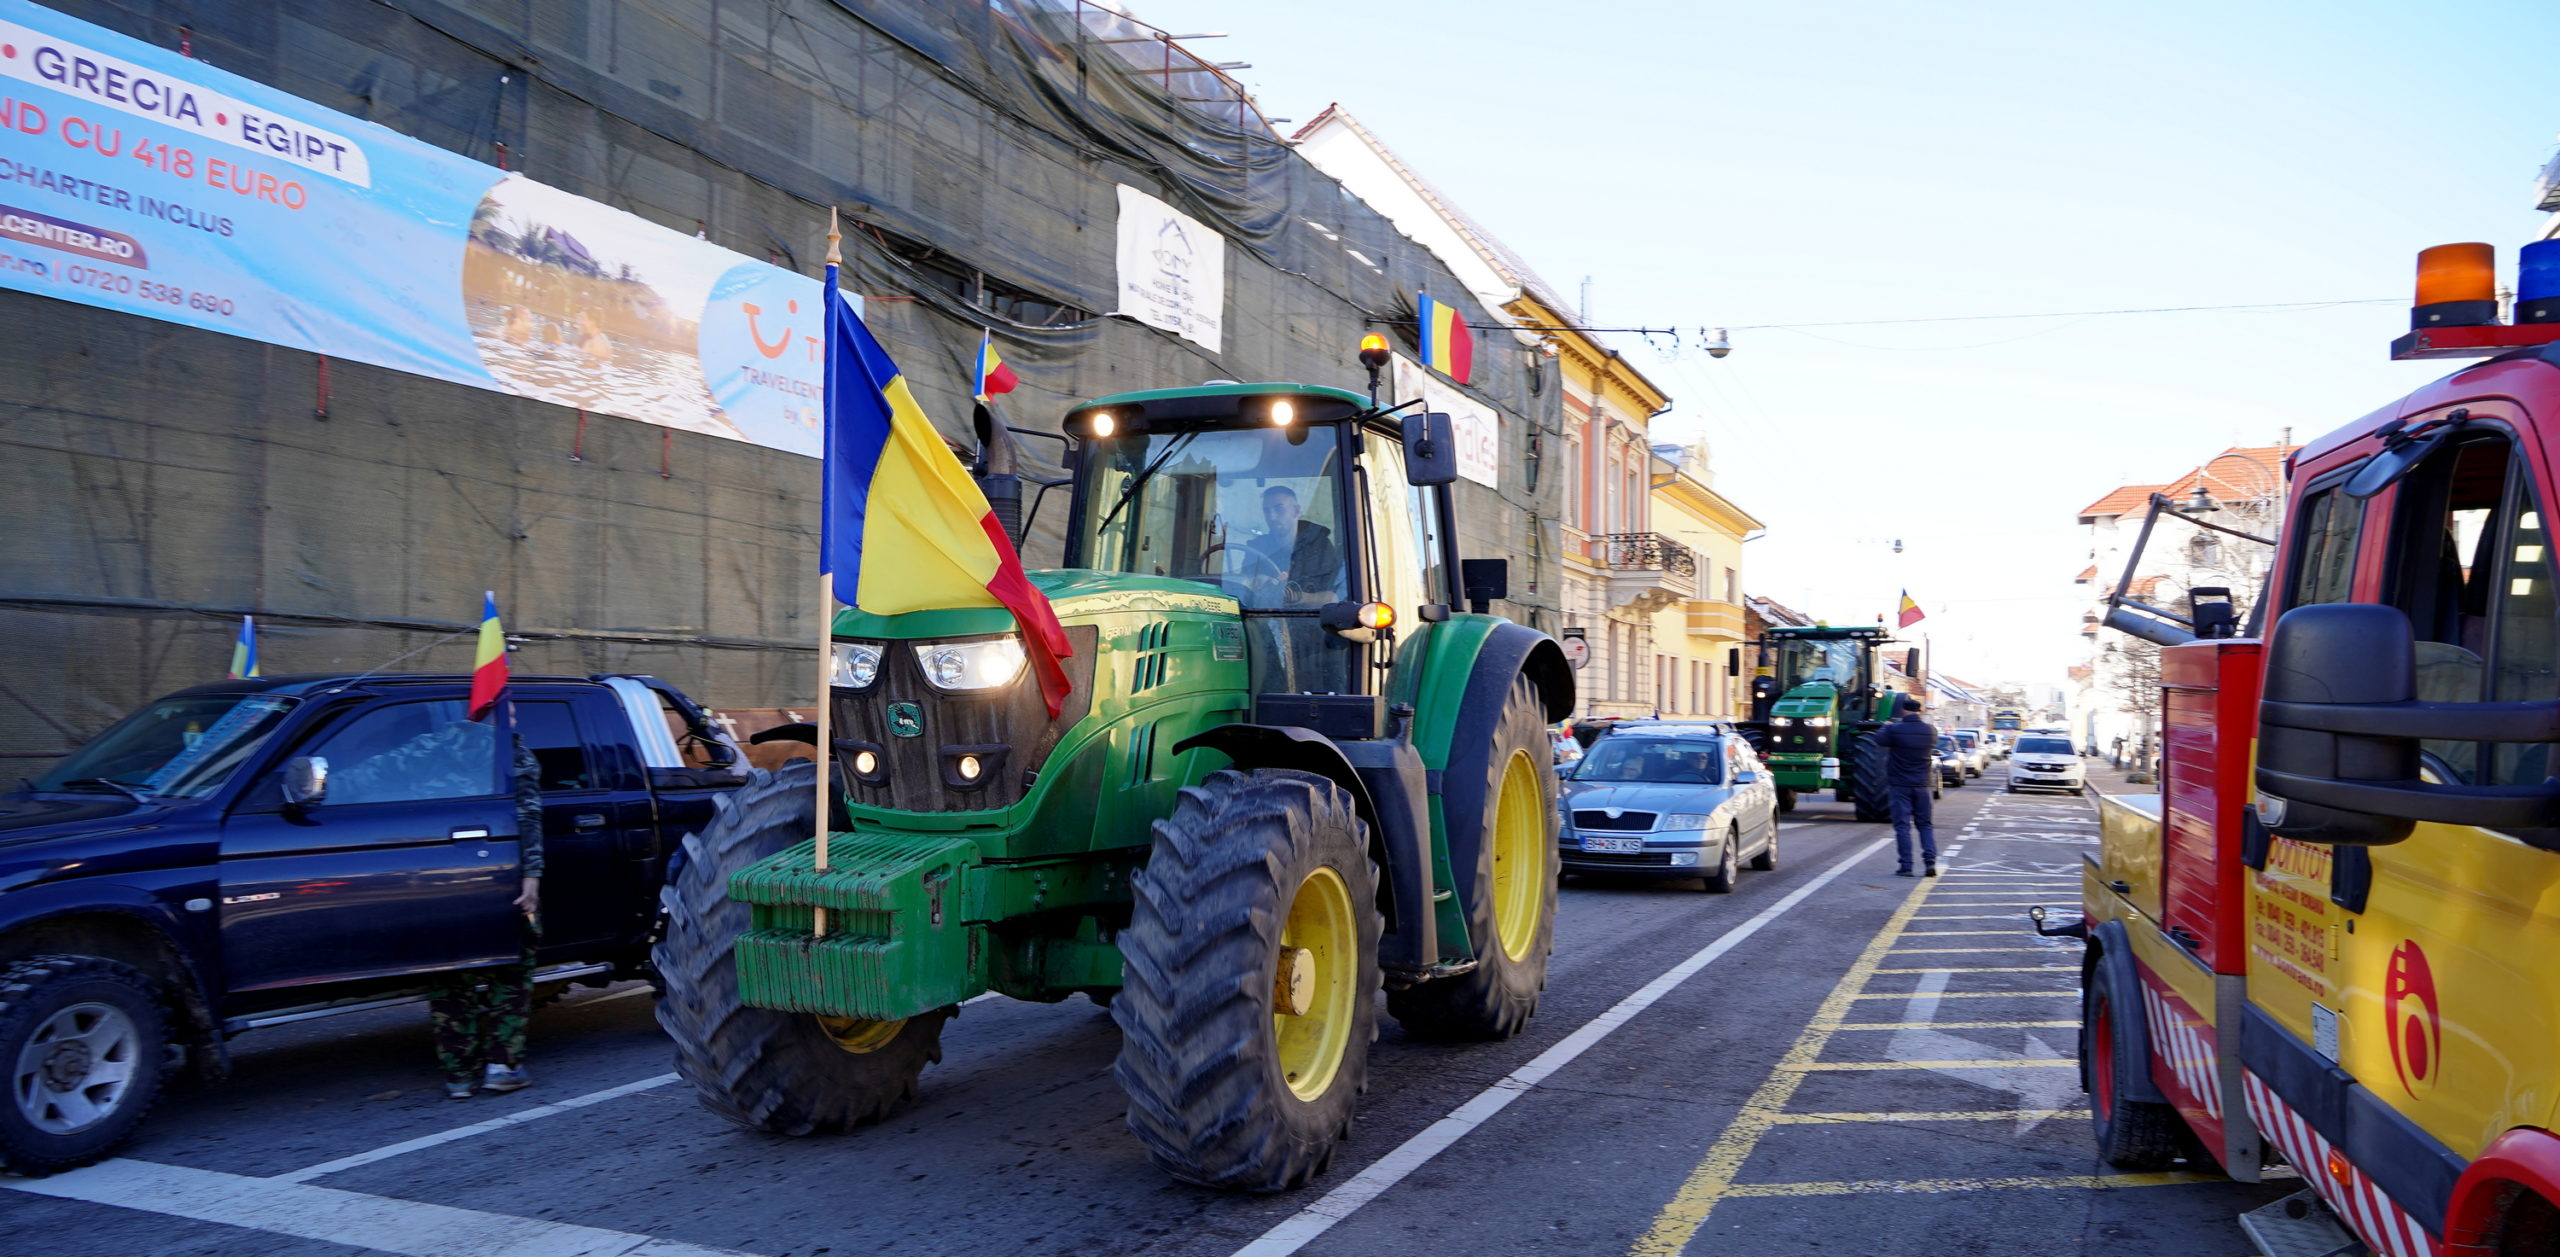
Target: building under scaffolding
{"points": [[165, 480]]}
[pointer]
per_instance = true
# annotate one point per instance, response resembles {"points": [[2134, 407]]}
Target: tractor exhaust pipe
{"points": [[995, 474]]}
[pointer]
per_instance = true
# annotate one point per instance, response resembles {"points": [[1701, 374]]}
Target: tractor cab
{"points": [[1303, 504], [1814, 701]]}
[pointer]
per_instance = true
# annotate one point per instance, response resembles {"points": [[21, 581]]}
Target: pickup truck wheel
{"points": [[1251, 963], [1511, 917], [82, 1042], [2132, 1134], [787, 1073]]}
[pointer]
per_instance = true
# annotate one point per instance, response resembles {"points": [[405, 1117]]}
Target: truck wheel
{"points": [[1251, 981], [1868, 759], [787, 1073], [2132, 1134], [1511, 918], [82, 1040]]}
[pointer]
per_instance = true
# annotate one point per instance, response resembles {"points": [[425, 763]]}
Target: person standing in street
{"points": [[479, 1015], [1911, 759]]}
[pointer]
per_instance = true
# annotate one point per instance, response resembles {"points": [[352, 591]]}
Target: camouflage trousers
{"points": [[479, 1016]]}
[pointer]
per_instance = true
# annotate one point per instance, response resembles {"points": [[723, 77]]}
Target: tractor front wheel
{"points": [[1251, 980], [1511, 914], [1867, 760], [787, 1073]]}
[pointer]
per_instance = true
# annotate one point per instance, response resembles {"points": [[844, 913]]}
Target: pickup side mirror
{"points": [[1430, 450], [2338, 731], [306, 781]]}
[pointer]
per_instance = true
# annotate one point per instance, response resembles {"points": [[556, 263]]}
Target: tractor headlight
{"points": [[1783, 721], [1819, 722], [980, 665], [857, 665]]}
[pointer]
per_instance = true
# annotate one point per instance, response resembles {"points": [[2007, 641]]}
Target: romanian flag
{"points": [[489, 666], [244, 652], [902, 527], [1447, 346], [993, 375], [1911, 613]]}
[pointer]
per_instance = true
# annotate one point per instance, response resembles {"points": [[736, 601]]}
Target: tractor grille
{"points": [[1635, 822], [1631, 859], [1007, 731]]}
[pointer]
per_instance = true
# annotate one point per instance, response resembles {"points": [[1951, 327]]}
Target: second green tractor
{"points": [[1292, 772]]}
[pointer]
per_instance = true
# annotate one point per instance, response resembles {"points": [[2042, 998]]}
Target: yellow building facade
{"points": [[1696, 641]]}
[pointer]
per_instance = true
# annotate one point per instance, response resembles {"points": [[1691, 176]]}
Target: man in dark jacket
{"points": [[1911, 760]]}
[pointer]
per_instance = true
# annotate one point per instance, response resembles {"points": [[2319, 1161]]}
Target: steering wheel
{"points": [[1251, 584]]}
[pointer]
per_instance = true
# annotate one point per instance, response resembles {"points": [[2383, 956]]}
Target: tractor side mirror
{"points": [[1430, 450], [1911, 663], [306, 781], [1733, 662], [1486, 581]]}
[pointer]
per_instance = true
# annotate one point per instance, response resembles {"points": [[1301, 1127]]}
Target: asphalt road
{"points": [[1830, 1060]]}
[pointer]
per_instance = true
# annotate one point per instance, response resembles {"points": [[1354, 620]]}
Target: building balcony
{"points": [[1649, 571], [1717, 621]]}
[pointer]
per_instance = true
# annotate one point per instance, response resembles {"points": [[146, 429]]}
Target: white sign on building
{"points": [[1173, 270], [1477, 429]]}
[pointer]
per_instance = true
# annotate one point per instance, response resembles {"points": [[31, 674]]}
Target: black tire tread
{"points": [[762, 1069], [22, 988], [2138, 1135], [1196, 1058], [1870, 798]]}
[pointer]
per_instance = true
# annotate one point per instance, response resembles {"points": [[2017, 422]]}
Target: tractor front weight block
{"points": [[896, 945]]}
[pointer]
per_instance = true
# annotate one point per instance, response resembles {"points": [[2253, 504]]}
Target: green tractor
{"points": [[1816, 701], [1290, 774]]}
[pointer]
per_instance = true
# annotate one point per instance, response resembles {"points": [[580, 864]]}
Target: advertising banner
{"points": [[139, 180], [1173, 270], [1474, 425]]}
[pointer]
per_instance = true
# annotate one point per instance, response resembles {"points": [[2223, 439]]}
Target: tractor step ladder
{"points": [[2300, 1225]]}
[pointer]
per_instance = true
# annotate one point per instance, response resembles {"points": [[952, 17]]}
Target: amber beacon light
{"points": [[2457, 287], [1373, 351]]}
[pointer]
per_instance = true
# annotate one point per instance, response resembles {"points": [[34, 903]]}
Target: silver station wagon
{"points": [[1670, 800]]}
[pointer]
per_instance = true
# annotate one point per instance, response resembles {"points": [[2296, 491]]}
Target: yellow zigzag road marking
{"points": [[1949, 1025], [2084, 1181], [1967, 1115], [2073, 992], [2013, 1064]]}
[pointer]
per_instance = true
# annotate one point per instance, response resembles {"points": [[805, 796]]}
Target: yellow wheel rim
{"points": [[1519, 858], [1313, 988], [859, 1037]]}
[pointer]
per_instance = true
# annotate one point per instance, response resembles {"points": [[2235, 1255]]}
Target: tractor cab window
{"points": [[1801, 662], [2472, 568], [1252, 512]]}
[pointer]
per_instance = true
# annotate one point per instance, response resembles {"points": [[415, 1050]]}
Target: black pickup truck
{"points": [[256, 852]]}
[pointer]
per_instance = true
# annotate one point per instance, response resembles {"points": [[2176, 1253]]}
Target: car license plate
{"points": [[1618, 846]]}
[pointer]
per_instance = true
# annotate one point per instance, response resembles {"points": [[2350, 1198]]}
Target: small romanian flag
{"points": [[489, 666], [244, 652], [993, 375], [1911, 613], [1447, 346]]}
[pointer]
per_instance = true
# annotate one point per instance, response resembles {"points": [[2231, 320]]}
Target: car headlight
{"points": [[978, 665], [857, 664], [1685, 820]]}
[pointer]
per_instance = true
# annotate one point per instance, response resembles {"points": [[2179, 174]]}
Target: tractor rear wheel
{"points": [[1511, 914], [1868, 759], [1251, 979], [787, 1073]]}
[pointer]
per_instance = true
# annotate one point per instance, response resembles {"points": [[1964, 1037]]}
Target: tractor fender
{"points": [[1253, 746], [2110, 960], [1482, 682]]}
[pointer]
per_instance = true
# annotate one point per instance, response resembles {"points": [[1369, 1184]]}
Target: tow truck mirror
{"points": [[306, 781], [1430, 450], [2339, 728]]}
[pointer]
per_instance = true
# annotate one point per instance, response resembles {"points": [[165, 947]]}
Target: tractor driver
{"points": [[1304, 562]]}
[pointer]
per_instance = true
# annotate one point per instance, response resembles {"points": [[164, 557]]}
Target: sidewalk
{"points": [[2105, 779]]}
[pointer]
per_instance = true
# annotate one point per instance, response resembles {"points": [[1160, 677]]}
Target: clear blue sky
{"points": [[1724, 164]]}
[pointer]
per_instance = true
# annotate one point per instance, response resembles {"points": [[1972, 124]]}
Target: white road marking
{"points": [[1296, 1231], [2040, 1092], [405, 1146], [406, 1227]]}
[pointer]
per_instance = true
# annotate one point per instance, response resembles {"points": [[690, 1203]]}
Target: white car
{"points": [[1969, 743], [2045, 761]]}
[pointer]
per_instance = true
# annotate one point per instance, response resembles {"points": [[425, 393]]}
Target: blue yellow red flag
{"points": [[489, 665], [993, 375], [1910, 612], [1447, 346], [244, 651], [902, 526]]}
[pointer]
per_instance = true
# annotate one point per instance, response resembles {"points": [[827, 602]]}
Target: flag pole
{"points": [[826, 581]]}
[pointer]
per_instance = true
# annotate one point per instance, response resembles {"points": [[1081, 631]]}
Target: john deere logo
{"points": [[906, 719]]}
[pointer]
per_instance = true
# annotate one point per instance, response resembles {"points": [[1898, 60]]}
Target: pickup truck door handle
{"points": [[471, 833], [2121, 888], [590, 820]]}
